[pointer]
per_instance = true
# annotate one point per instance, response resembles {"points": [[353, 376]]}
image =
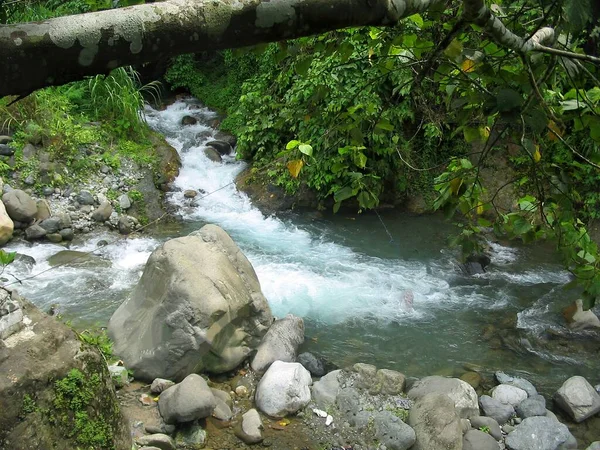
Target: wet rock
{"points": [[161, 441], [4, 139], [189, 120], [43, 209], [85, 198], [436, 422], [74, 258], [519, 382], [224, 148], [532, 406], [190, 436], [103, 212], [489, 423], [6, 150], [390, 382], [19, 206], [478, 440], [47, 191], [7, 226], [463, 394], [160, 384], [280, 343], [578, 319], [251, 429], [311, 363], [222, 410], [190, 193], [34, 232], [189, 400], [500, 412], [509, 395], [393, 432], [119, 375], [212, 154], [476, 264], [67, 234], [55, 238], [284, 389], [578, 398], [125, 224], [326, 390], [540, 433], [223, 396], [472, 378], [51, 225]]}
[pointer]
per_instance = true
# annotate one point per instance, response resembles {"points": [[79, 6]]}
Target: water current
{"points": [[346, 275]]}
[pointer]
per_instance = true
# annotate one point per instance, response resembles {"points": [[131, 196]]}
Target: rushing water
{"points": [[347, 276]]}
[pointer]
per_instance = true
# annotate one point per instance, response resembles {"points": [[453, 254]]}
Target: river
{"points": [[347, 276]]}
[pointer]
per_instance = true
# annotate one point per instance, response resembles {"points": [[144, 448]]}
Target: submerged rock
{"points": [[73, 258], [224, 148]]}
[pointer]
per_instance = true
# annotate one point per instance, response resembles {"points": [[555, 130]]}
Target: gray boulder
{"points": [[124, 202], [489, 423], [126, 224], [212, 154], [509, 395], [517, 382], [223, 396], [391, 382], [594, 446], [311, 363], [43, 209], [224, 148], [578, 398], [462, 394], [251, 429], [284, 389], [198, 307], [540, 433], [436, 422], [280, 343], [103, 212], [348, 403], [34, 232], [20, 206], [85, 198], [160, 384], [6, 150], [222, 410], [326, 390], [189, 400], [500, 412], [478, 440], [392, 432], [51, 224], [158, 440], [532, 406]]}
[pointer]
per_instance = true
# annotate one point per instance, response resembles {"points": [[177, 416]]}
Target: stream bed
{"points": [[347, 276]]}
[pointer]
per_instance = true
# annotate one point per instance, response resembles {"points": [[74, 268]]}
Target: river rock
{"points": [[500, 412], [223, 396], [7, 226], [472, 378], [197, 307], [85, 198], [160, 384], [578, 319], [348, 403], [532, 406], [67, 234], [103, 212], [251, 429], [478, 440], [189, 400], [594, 446], [19, 205], [224, 148], [34, 232], [6, 150], [390, 382], [311, 363], [189, 120], [55, 238], [365, 377], [463, 394], [73, 258], [436, 422], [190, 193], [212, 154], [51, 224], [119, 375], [4, 139], [158, 440], [280, 343], [33, 359], [509, 395], [125, 224], [519, 382], [482, 421], [578, 398], [43, 209], [124, 202], [326, 390], [540, 433], [284, 389], [393, 432], [190, 436]]}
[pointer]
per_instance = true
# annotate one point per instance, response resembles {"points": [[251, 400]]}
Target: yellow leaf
{"points": [[283, 422], [537, 155], [485, 132], [455, 185], [555, 132], [294, 167], [468, 65], [155, 399], [480, 209]]}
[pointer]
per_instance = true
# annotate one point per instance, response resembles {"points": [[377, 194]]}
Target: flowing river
{"points": [[348, 277]]}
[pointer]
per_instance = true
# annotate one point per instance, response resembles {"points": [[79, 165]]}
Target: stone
{"points": [[188, 120], [365, 377], [197, 307], [222, 410], [85, 198], [578, 320], [51, 224], [159, 440], [326, 390], [4, 139], [519, 382], [393, 432], [103, 212], [463, 394], [43, 209], [223, 396], [212, 154], [436, 422], [190, 436], [478, 440], [280, 343], [390, 382], [578, 398], [348, 403], [7, 226], [189, 400], [146, 400], [532, 406], [251, 429], [65, 220], [160, 384], [125, 224], [119, 375], [594, 446], [241, 391], [500, 412], [190, 193], [55, 238], [489, 423], [6, 150], [284, 389], [540, 433], [472, 378], [124, 202], [509, 395], [311, 363], [73, 258], [20, 206], [34, 232], [224, 148], [67, 234]]}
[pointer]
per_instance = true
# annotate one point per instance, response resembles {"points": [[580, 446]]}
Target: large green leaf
{"points": [[578, 14]]}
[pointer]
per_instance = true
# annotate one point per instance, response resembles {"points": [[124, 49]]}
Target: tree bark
{"points": [[57, 51]]}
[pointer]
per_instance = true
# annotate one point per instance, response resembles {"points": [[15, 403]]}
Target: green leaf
{"points": [[416, 19], [385, 124], [338, 167], [343, 194], [303, 65], [292, 145], [586, 256], [454, 49], [360, 159], [336, 207], [7, 257], [508, 100], [306, 149], [578, 13]]}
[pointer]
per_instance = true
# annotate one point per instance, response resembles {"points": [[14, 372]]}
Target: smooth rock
{"points": [[160, 384], [222, 410], [532, 406], [190, 193], [189, 400], [463, 394], [223, 396], [73, 258], [6, 150], [103, 212], [393, 432], [55, 238], [51, 224], [472, 378], [158, 440], [280, 343], [67, 234], [500, 412], [85, 198], [540, 433], [189, 120], [4, 139], [224, 148], [284, 389], [594, 446], [519, 382], [251, 427], [509, 395], [190, 436], [124, 202], [435, 420], [212, 154], [20, 206], [390, 382], [578, 398], [478, 440], [311, 363], [578, 319], [482, 421], [326, 390], [7, 226], [43, 209], [34, 232]]}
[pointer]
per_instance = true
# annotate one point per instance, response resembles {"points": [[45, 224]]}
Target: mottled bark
{"points": [[56, 51]]}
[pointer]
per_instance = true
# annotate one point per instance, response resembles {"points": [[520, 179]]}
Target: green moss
{"points": [[29, 405]]}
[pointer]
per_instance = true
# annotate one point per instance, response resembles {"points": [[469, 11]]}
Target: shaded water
{"points": [[346, 277]]}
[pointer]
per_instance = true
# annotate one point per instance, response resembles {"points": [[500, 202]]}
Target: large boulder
{"points": [[223, 147], [198, 307], [280, 343], [189, 400], [578, 398], [7, 226], [20, 206], [284, 389], [326, 390], [50, 378], [436, 422], [540, 433], [462, 394]]}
